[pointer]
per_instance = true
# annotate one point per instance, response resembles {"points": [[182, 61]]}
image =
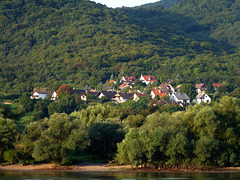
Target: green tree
{"points": [[104, 138], [131, 150], [8, 132], [40, 110], [189, 89], [27, 103], [61, 137]]}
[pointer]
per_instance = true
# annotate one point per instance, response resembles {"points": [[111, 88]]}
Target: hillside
{"points": [[206, 20], [45, 43], [165, 3]]}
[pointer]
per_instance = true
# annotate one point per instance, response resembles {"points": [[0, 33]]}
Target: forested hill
{"points": [[165, 3], [45, 43], [211, 20]]}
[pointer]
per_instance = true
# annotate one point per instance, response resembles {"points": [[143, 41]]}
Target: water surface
{"points": [[116, 176]]}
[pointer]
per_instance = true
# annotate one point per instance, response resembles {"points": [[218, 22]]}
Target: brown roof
{"points": [[130, 78], [149, 78], [216, 85], [125, 95], [198, 86], [108, 94]]}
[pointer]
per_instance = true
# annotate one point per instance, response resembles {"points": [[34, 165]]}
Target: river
{"points": [[9, 175]]}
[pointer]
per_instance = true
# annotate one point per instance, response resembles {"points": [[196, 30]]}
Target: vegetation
{"points": [[135, 133], [77, 42]]}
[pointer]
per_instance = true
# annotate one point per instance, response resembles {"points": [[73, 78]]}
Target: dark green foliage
{"points": [[189, 89], [226, 88], [104, 138], [40, 110], [27, 103], [8, 132]]}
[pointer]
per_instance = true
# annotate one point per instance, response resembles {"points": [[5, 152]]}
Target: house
{"points": [[216, 85], [108, 94], [112, 82], [128, 79], [54, 96], [40, 94], [122, 97], [147, 79], [137, 96], [124, 85], [201, 88], [157, 93], [81, 93], [202, 97], [167, 88], [179, 98]]}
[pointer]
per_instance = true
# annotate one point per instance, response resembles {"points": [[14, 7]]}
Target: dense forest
{"points": [[77, 42]]}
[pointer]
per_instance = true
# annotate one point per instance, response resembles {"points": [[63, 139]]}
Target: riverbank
{"points": [[100, 167]]}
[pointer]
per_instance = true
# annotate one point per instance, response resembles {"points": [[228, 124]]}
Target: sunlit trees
{"points": [[62, 135]]}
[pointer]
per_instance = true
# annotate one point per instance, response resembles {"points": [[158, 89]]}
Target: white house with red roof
{"points": [[201, 88], [128, 79], [147, 79], [157, 92], [202, 97]]}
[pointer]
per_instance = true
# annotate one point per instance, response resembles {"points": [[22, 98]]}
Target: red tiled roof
{"points": [[124, 85], [130, 78], [198, 86], [111, 81], [216, 85], [163, 85], [159, 93], [149, 78]]}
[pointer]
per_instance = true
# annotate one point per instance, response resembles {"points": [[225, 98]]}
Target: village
{"points": [[162, 94]]}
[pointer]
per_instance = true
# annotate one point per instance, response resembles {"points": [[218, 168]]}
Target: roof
{"points": [[125, 95], [159, 93], [200, 95], [198, 86], [91, 93], [111, 81], [129, 78], [149, 78], [77, 91], [216, 85], [141, 95], [43, 92], [122, 86], [108, 94], [163, 86], [181, 96]]}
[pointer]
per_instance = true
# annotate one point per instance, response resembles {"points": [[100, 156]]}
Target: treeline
{"points": [[137, 133], [203, 135]]}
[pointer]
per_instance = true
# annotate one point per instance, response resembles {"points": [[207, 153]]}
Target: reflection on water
{"points": [[116, 176]]}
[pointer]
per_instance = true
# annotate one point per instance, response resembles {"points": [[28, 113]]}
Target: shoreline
{"points": [[100, 167]]}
